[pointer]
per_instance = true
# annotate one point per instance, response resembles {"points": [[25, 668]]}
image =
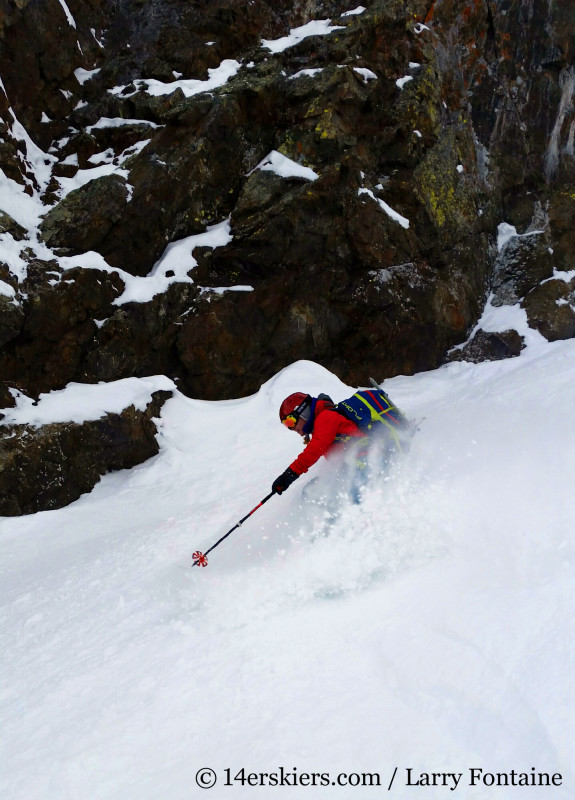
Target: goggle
{"points": [[302, 411]]}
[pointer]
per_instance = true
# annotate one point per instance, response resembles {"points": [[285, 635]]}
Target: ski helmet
{"points": [[295, 404]]}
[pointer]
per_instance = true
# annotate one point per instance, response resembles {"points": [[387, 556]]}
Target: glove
{"points": [[285, 479]]}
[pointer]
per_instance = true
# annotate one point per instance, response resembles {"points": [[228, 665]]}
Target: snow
{"points": [[14, 201], [223, 289], [177, 259], [554, 150], [11, 254], [71, 160], [403, 221], [99, 42], [104, 157], [309, 73], [107, 163], [172, 267], [79, 402], [317, 27], [285, 167], [566, 276], [26, 209], [83, 75], [218, 76], [38, 162], [84, 176], [496, 319], [366, 74], [506, 232], [354, 11], [6, 289], [400, 82], [117, 122], [69, 17], [431, 630]]}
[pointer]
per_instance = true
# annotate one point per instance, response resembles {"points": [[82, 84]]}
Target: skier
{"points": [[334, 435], [331, 436]]}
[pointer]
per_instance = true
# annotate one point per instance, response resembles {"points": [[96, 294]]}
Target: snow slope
{"points": [[432, 630]]}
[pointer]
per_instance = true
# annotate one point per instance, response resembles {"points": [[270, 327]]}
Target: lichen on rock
{"points": [[84, 218]]}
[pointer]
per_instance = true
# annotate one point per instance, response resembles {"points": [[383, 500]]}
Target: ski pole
{"points": [[201, 558]]}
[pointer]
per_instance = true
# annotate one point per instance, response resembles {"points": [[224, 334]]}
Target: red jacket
{"points": [[328, 424]]}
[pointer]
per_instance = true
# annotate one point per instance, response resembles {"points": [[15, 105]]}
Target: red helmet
{"points": [[296, 401]]}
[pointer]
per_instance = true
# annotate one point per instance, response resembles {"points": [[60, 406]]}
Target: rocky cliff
{"points": [[212, 190]]}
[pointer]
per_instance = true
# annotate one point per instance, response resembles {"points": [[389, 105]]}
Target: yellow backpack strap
{"points": [[377, 416]]}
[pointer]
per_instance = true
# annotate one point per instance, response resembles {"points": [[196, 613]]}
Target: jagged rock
{"points": [[11, 314], [561, 222], [6, 398], [84, 145], [85, 217], [355, 321], [55, 325], [71, 331], [139, 338], [489, 347], [177, 35], [9, 225], [11, 318], [259, 192], [39, 52], [523, 263], [60, 171], [51, 466], [476, 134], [551, 309], [188, 177], [12, 161], [451, 198]]}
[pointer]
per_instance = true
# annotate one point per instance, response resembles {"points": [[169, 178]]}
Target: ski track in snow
{"points": [[429, 629]]}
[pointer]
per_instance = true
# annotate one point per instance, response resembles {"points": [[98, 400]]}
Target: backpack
{"points": [[374, 413]]}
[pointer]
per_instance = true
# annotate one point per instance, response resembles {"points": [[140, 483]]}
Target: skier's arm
{"points": [[325, 431]]}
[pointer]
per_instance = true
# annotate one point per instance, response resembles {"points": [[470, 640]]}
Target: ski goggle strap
{"points": [[308, 427], [291, 420]]}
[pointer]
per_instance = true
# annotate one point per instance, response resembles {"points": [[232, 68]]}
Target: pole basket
{"points": [[200, 559]]}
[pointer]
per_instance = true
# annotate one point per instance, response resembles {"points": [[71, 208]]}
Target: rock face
{"points": [[551, 309], [86, 217], [489, 347], [55, 326], [51, 466], [423, 126]]}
